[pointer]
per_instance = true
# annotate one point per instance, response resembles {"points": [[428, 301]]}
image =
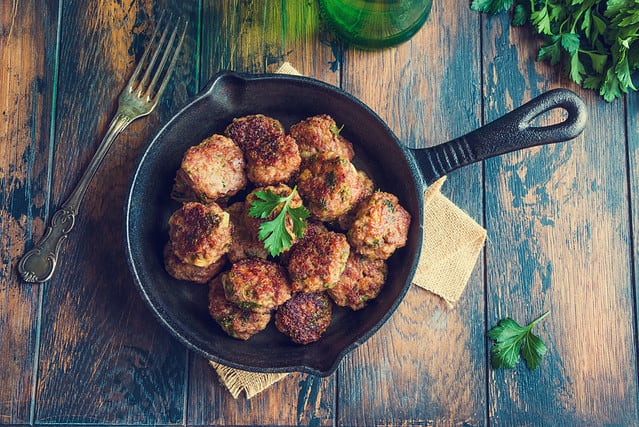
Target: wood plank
{"points": [[632, 118], [298, 399], [104, 357], [557, 220], [264, 36], [267, 35], [427, 365], [26, 88]]}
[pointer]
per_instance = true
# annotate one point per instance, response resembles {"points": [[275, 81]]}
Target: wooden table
{"points": [[562, 222]]}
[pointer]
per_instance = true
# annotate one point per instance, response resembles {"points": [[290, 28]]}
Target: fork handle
{"points": [[38, 264]]}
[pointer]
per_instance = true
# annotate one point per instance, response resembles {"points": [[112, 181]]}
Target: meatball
{"points": [[282, 190], [189, 272], [211, 170], [238, 323], [312, 227], [330, 185], [256, 128], [256, 284], [244, 242], [360, 282], [200, 234], [367, 186], [380, 226], [317, 261], [305, 317], [318, 134], [272, 161]]}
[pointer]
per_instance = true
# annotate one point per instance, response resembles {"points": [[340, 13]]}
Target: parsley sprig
{"points": [[274, 233], [511, 339], [597, 41]]}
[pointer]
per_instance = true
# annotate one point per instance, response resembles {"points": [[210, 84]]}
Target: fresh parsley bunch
{"points": [[597, 41]]}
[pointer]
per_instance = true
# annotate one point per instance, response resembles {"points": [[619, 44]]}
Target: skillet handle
{"points": [[510, 132]]}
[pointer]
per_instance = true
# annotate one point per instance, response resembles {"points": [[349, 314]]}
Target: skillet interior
{"points": [[181, 306]]}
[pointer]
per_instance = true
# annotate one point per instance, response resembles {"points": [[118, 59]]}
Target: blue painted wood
{"points": [[632, 129], [26, 85], [562, 224], [103, 357], [558, 239]]}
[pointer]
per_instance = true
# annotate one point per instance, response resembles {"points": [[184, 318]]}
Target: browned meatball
{"points": [[317, 261], [330, 185], [305, 317], [380, 226], [282, 190], [248, 130], [360, 282], [271, 156], [200, 234], [210, 170], [367, 187], [189, 272], [320, 133], [238, 323], [312, 227], [272, 161], [256, 284], [244, 242]]}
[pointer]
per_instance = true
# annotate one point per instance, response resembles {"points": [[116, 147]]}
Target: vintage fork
{"points": [[138, 99]]}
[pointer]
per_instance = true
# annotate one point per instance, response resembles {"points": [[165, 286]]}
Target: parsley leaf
{"points": [[274, 233], [596, 42], [511, 340]]}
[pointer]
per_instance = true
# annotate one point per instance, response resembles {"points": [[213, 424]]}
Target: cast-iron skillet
{"points": [[182, 307]]}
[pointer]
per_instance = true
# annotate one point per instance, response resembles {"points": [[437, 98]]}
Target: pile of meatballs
{"points": [[341, 257]]}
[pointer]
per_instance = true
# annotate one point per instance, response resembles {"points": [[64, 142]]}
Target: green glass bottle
{"points": [[375, 24]]}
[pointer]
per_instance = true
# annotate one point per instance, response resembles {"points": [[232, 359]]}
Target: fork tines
{"points": [[165, 49]]}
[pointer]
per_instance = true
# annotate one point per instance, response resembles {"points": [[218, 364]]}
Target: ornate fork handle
{"points": [[39, 263], [137, 99]]}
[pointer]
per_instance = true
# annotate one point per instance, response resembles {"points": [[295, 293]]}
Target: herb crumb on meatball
{"points": [[318, 134], [200, 234], [238, 323], [305, 317], [213, 169], [317, 261], [380, 226], [361, 281], [367, 187], [273, 161], [244, 242], [256, 284], [181, 270], [330, 185], [271, 155], [248, 130]]}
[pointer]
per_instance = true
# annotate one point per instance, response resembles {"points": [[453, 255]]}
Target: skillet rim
{"points": [[165, 318]]}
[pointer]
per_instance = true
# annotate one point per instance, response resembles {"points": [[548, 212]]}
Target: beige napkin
{"points": [[452, 242]]}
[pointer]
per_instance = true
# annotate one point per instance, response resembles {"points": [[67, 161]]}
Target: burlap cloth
{"points": [[452, 242]]}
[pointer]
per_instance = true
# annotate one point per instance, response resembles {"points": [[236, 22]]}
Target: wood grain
{"points": [[427, 365], [103, 356], [26, 89], [632, 129], [557, 220], [265, 36], [562, 227]]}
